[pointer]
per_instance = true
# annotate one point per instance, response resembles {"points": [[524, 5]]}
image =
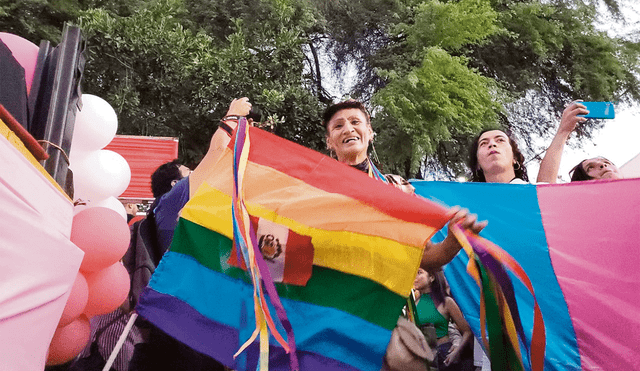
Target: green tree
{"points": [[439, 101], [165, 76], [538, 55], [442, 100], [38, 20], [434, 72]]}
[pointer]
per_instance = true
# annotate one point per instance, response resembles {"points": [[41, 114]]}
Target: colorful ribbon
{"points": [[412, 311], [499, 315], [375, 173], [244, 238]]}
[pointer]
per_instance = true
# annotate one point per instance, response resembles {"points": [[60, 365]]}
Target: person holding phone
{"points": [[571, 116]]}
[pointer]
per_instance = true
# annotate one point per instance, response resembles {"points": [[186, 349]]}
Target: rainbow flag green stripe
{"points": [[212, 250], [353, 242], [223, 311]]}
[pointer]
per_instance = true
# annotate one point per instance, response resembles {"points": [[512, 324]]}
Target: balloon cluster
{"points": [[99, 175], [99, 228]]}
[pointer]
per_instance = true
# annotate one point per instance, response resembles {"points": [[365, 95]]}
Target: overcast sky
{"points": [[619, 139]]}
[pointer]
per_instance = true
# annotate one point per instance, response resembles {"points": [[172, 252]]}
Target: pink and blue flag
{"points": [[278, 228], [580, 246]]}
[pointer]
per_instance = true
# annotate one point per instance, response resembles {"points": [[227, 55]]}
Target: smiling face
{"points": [[349, 134], [495, 155], [601, 168]]}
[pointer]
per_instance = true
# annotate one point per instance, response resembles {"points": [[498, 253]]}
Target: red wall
{"points": [[144, 155]]}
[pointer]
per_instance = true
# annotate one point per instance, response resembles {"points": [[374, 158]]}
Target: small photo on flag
{"points": [[342, 250], [288, 254]]}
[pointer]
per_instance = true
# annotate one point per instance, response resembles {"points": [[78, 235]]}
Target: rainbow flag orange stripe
{"points": [[367, 240]]}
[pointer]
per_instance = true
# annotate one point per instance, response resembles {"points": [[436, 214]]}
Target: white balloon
{"points": [[96, 124], [100, 175], [76, 155], [110, 203]]}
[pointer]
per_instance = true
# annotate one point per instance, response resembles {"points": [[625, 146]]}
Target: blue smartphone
{"points": [[599, 110]]}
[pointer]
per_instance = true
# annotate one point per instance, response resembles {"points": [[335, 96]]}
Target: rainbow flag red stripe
{"points": [[367, 240]]}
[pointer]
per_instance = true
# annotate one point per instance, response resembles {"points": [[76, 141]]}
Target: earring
{"points": [[332, 153], [374, 153], [517, 166]]}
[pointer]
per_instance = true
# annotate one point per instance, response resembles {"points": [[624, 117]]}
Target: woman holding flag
{"points": [[348, 136], [312, 177]]}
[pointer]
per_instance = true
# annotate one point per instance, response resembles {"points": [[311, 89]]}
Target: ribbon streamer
{"points": [[244, 237], [499, 314]]}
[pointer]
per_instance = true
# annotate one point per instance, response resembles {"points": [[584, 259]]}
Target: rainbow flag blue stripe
{"points": [[362, 262]]}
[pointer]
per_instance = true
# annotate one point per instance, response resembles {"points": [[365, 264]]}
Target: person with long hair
{"points": [[349, 135], [588, 169], [434, 306], [494, 157], [595, 168], [550, 164]]}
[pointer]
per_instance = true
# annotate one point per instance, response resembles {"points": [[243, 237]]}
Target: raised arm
{"points": [[551, 162], [438, 254], [219, 140]]}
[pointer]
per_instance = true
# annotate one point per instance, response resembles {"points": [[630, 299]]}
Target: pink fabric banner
{"points": [[38, 262], [598, 267]]}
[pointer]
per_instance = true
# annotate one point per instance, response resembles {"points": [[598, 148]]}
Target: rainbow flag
{"points": [[579, 244], [343, 249]]}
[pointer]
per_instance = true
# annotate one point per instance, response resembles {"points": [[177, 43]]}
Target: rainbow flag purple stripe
{"points": [[362, 263]]}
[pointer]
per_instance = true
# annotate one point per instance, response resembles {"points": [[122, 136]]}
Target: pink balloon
{"points": [[103, 236], [25, 52], [68, 341], [77, 301], [108, 289]]}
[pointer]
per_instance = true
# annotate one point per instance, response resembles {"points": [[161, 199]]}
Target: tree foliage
{"points": [[173, 78], [441, 100], [434, 72]]}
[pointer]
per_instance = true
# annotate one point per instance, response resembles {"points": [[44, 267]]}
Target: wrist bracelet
{"points": [[231, 117], [225, 127]]}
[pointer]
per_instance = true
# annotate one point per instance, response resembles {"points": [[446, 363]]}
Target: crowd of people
{"points": [[493, 157]]}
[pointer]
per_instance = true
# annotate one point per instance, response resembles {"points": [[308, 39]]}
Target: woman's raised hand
{"points": [[239, 107], [570, 118], [550, 164], [467, 220]]}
